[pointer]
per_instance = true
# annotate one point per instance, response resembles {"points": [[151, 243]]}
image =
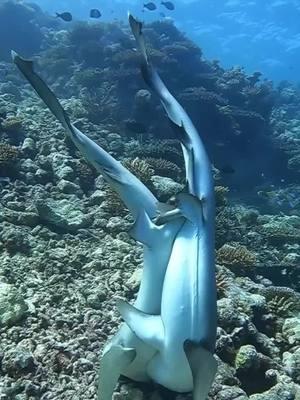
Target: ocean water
{"points": [[198, 226]]}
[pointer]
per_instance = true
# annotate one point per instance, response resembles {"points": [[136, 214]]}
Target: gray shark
{"points": [[184, 334], [125, 353]]}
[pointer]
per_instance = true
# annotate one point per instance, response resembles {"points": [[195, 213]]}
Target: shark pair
{"points": [[169, 333]]}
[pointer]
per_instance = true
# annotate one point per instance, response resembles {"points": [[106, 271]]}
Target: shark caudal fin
{"points": [[152, 78], [43, 91], [133, 192]]}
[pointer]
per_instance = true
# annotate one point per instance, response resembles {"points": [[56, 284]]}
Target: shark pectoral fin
{"points": [[203, 366], [191, 207], [143, 229], [168, 216], [149, 328], [112, 365]]}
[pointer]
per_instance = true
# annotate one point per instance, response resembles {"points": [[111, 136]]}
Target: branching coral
{"points": [[280, 232], [222, 282], [202, 96], [166, 149], [126, 57], [282, 301], [11, 124], [282, 306], [228, 227], [140, 168], [89, 77], [236, 256], [8, 157], [113, 204], [82, 33], [87, 175], [220, 193], [165, 167]]}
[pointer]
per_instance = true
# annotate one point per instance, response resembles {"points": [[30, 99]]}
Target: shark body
{"points": [[184, 334], [125, 353], [173, 321]]}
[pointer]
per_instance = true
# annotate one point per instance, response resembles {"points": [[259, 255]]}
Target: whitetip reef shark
{"points": [[170, 332], [184, 334], [125, 353]]}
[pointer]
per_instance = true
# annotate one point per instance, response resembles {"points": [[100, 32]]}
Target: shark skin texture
{"points": [[125, 354], [185, 331]]}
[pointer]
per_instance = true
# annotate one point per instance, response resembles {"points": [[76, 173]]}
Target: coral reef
{"points": [[235, 255], [65, 251], [9, 156]]}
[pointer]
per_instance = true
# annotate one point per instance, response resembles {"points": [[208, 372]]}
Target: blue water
{"points": [[255, 34]]}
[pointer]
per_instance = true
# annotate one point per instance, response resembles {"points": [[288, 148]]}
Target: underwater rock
{"points": [[61, 166], [165, 187], [281, 391], [18, 361], [12, 305], [63, 214], [280, 230], [291, 330], [247, 358], [134, 281], [66, 173], [228, 315], [42, 176], [291, 364], [142, 99], [118, 224], [65, 186], [231, 393], [28, 147], [28, 218], [15, 241], [97, 198]]}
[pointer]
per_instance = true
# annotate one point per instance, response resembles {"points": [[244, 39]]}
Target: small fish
{"points": [[168, 4], [95, 13], [150, 6], [66, 16], [163, 15]]}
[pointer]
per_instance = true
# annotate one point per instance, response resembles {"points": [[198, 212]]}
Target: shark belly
{"points": [[184, 310]]}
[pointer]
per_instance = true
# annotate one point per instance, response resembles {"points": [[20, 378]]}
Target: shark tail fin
{"points": [[43, 91], [203, 366], [151, 76]]}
